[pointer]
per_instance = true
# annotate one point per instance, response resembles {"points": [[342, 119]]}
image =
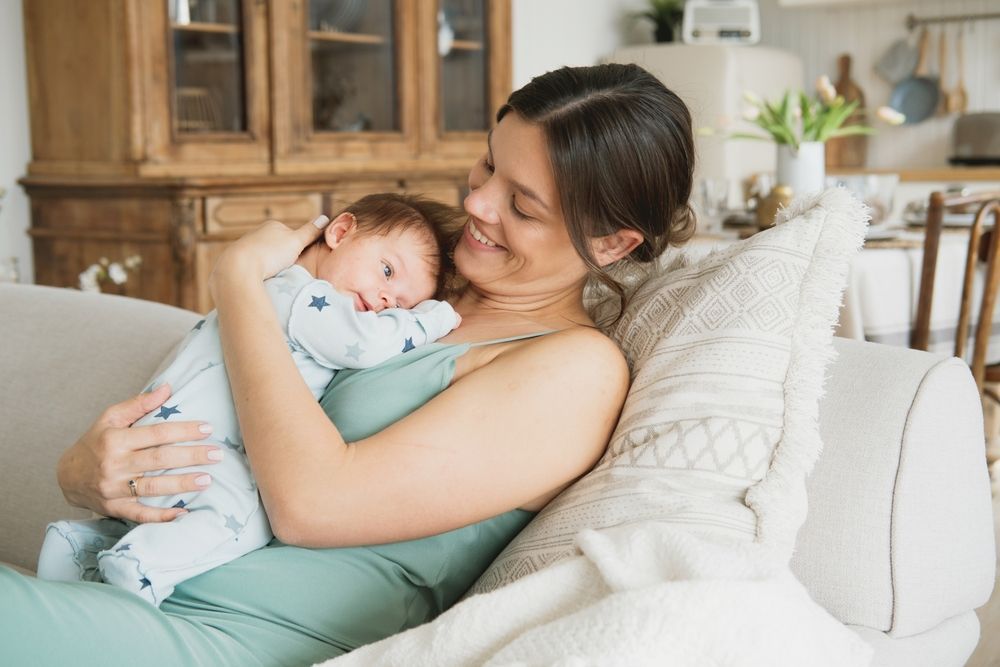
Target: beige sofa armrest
{"points": [[899, 535], [64, 357]]}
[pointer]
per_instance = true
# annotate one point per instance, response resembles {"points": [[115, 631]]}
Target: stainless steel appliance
{"points": [[976, 139]]}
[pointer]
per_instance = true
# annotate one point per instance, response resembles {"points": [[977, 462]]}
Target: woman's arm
{"points": [[525, 424], [94, 472]]}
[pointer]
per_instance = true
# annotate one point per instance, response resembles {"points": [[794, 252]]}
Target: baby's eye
{"points": [[386, 270]]}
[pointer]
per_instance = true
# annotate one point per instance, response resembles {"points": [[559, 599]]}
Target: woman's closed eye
{"points": [[517, 212]]}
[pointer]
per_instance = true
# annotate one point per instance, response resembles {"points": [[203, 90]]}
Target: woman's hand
{"points": [[94, 473], [265, 251]]}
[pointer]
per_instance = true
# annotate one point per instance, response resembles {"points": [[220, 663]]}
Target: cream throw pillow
{"points": [[719, 429]]}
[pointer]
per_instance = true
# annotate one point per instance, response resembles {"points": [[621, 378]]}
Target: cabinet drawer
{"points": [[240, 214]]}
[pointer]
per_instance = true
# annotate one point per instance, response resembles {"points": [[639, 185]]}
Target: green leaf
{"points": [[834, 118], [744, 135], [851, 130]]}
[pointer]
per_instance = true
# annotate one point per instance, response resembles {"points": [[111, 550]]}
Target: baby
{"points": [[356, 297]]}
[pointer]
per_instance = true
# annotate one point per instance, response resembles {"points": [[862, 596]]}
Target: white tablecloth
{"points": [[880, 302]]}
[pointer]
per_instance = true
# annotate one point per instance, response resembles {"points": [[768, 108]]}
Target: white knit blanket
{"points": [[643, 594]]}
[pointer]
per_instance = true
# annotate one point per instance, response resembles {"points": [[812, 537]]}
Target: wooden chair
{"points": [[988, 204]]}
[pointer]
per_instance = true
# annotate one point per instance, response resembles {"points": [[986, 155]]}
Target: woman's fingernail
{"points": [[321, 222], [216, 454], [203, 480], [205, 428]]}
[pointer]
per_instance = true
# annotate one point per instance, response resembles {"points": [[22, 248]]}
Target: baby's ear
{"points": [[343, 225]]}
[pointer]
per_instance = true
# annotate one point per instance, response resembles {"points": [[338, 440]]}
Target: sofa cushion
{"points": [[719, 427], [89, 364]]}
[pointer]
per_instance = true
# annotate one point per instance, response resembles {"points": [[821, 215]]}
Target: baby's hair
{"points": [[386, 212]]}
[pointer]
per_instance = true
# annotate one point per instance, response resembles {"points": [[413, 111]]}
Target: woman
{"points": [[454, 446]]}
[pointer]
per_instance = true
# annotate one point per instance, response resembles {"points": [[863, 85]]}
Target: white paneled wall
{"points": [[865, 31]]}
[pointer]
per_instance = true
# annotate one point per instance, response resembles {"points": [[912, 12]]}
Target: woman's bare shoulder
{"points": [[578, 353]]}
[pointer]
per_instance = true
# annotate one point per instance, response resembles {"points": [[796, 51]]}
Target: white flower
{"points": [[117, 274], [752, 98], [890, 116], [751, 114], [132, 261], [826, 91], [88, 279]]}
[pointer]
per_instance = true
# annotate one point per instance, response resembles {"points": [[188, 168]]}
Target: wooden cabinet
{"points": [[167, 128]]}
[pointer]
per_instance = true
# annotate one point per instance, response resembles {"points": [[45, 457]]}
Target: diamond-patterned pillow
{"points": [[719, 429]]}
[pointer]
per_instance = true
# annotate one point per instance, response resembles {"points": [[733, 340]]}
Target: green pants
{"points": [[277, 606]]}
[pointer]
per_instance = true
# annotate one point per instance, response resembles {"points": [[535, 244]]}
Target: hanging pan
{"points": [[917, 96]]}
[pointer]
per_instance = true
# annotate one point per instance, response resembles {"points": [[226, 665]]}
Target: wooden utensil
{"points": [[958, 99], [849, 151], [917, 96], [942, 107]]}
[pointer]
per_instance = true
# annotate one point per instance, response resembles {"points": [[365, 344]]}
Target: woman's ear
{"points": [[343, 225], [609, 249]]}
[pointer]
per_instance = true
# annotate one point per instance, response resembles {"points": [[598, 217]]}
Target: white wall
{"points": [[865, 31], [15, 143], [548, 34]]}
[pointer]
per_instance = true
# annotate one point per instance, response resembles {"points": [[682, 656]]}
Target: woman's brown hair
{"points": [[622, 152]]}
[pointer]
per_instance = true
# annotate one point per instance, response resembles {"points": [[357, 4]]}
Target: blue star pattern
{"points": [[209, 365], [166, 411], [319, 303], [238, 446], [146, 583], [408, 345], [355, 351], [200, 324], [180, 504], [233, 524], [124, 547]]}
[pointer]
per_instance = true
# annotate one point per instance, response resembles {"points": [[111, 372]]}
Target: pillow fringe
{"points": [[779, 500]]}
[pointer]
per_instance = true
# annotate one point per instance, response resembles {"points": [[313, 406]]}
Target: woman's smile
{"points": [[481, 240]]}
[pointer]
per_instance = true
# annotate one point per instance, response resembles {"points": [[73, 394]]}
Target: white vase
{"points": [[804, 171]]}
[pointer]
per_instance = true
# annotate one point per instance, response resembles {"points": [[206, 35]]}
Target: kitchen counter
{"points": [[946, 174]]}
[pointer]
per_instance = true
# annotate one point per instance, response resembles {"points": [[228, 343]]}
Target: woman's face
{"points": [[515, 243]]}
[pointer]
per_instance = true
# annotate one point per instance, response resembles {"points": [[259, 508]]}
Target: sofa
{"points": [[898, 543]]}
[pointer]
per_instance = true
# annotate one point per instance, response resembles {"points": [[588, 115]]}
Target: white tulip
{"points": [[890, 115], [826, 91]]}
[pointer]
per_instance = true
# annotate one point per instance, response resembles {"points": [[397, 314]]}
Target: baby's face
{"points": [[394, 270]]}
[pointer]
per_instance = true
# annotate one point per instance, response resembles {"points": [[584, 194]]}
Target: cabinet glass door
{"points": [[209, 89], [352, 49], [462, 46]]}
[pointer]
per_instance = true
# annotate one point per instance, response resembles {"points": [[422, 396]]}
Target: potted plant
{"points": [[666, 16], [800, 126]]}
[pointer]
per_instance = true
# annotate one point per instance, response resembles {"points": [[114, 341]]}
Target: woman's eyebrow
{"points": [[520, 187]]}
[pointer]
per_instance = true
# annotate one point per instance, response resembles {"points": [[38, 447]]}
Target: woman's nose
{"points": [[480, 204]]}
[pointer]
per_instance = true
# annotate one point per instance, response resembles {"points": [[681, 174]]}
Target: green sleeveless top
{"points": [[295, 605]]}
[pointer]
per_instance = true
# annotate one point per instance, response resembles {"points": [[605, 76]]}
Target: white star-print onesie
{"points": [[324, 333]]}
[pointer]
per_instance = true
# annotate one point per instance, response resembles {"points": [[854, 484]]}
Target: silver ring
{"points": [[132, 488]]}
